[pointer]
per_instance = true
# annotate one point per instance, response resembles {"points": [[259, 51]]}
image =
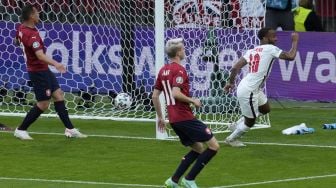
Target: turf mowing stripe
{"points": [[79, 182], [151, 138], [276, 181]]}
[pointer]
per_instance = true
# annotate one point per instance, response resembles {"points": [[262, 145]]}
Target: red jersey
{"points": [[31, 42], [174, 75]]}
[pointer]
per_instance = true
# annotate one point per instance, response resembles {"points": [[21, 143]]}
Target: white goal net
{"points": [[216, 33], [109, 47]]}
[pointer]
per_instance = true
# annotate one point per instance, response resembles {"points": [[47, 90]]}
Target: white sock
{"points": [[241, 129]]}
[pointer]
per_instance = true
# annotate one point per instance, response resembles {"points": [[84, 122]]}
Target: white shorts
{"points": [[250, 101]]}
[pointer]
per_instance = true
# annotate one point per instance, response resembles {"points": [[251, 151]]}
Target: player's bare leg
{"points": [[198, 147], [43, 105], [265, 108], [213, 144]]}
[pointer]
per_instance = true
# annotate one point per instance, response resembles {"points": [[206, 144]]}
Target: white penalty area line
{"points": [[277, 181], [151, 138], [78, 182]]}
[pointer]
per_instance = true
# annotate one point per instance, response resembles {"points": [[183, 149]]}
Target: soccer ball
{"points": [[123, 100]]}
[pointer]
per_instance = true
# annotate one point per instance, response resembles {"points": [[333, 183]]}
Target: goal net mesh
{"points": [[108, 48], [216, 34]]}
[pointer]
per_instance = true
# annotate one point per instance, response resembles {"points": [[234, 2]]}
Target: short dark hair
{"points": [[26, 12], [263, 32]]}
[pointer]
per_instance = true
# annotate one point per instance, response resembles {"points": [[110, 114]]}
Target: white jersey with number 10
{"points": [[260, 60]]}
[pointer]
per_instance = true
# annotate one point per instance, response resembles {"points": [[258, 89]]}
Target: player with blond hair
{"points": [[173, 81]]}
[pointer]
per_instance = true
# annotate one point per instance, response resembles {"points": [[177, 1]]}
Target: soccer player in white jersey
{"points": [[252, 100]]}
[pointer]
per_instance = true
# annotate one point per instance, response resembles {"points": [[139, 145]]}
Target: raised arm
{"points": [[234, 71], [292, 52]]}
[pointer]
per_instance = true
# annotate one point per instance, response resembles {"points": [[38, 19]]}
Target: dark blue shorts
{"points": [[192, 131], [44, 84]]}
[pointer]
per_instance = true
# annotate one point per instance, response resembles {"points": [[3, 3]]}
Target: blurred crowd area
{"points": [[226, 13], [326, 10]]}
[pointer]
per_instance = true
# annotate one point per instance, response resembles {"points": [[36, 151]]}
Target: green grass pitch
{"points": [[271, 160]]}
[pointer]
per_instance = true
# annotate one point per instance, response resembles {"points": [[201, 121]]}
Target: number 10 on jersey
{"points": [[254, 63]]}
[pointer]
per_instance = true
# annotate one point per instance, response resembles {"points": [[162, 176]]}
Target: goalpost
{"points": [[116, 46]]}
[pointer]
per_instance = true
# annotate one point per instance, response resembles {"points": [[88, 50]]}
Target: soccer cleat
{"points": [[23, 135], [171, 184], [188, 183], [234, 143], [74, 133]]}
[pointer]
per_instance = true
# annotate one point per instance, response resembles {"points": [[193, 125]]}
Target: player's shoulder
{"points": [[177, 67], [173, 68], [164, 67], [268, 46], [22, 28], [28, 32]]}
